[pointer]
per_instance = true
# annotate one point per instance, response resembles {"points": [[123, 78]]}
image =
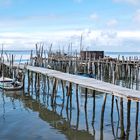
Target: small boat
{"points": [[10, 84]]}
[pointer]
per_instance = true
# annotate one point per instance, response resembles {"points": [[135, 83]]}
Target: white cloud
{"points": [[92, 39], [134, 2], [94, 17], [112, 23], [111, 40]]}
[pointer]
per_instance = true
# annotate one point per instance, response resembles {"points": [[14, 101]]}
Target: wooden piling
{"points": [[86, 90], [53, 92], [136, 121], [128, 119], [102, 117], [122, 133], [77, 99], [69, 90]]}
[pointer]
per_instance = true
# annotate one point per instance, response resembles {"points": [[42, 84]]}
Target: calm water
{"points": [[33, 118], [24, 55], [125, 54]]}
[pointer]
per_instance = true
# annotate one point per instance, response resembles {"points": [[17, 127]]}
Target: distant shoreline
{"points": [[112, 52]]}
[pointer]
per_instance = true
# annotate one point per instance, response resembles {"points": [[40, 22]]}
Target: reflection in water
{"points": [[118, 118], [3, 105], [122, 134], [93, 117], [13, 103], [112, 111], [77, 121], [136, 122], [78, 110], [72, 107], [57, 121], [86, 119], [63, 91], [102, 118], [128, 119]]}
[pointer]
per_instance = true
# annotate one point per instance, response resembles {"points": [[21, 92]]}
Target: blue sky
{"points": [[28, 15], [106, 24]]}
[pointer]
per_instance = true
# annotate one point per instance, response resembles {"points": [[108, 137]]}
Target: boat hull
{"points": [[7, 84]]}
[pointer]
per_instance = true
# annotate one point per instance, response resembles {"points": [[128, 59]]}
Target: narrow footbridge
{"points": [[86, 82]]}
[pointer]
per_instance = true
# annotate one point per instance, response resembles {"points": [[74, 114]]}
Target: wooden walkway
{"points": [[86, 82]]}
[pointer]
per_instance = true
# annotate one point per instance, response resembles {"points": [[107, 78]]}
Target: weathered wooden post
{"points": [[62, 84], [86, 119], [70, 97], [77, 99], [136, 121], [44, 81], [128, 119], [93, 68], [38, 83], [86, 90], [93, 117], [112, 110], [78, 110], [122, 133], [29, 81], [69, 88], [102, 118], [137, 76], [117, 109], [48, 84], [32, 81], [98, 65], [31, 58], [53, 91]]}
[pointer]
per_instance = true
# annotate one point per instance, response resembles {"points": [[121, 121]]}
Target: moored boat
{"points": [[10, 84]]}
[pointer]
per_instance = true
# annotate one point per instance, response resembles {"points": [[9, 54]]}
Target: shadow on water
{"points": [[50, 116], [74, 112], [57, 121], [94, 115]]}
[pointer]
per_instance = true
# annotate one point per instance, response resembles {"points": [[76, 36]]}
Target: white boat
{"points": [[10, 84]]}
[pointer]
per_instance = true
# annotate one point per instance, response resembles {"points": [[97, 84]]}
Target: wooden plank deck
{"points": [[89, 83]]}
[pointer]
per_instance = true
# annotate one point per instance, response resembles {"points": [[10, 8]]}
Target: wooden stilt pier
{"points": [[86, 82]]}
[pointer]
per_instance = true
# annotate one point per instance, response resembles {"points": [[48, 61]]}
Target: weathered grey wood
{"points": [[117, 109], [102, 117], [69, 90], [122, 133], [63, 91], [128, 119], [54, 92], [29, 81], [86, 90], [112, 111], [93, 117], [77, 100], [86, 82], [136, 121]]}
